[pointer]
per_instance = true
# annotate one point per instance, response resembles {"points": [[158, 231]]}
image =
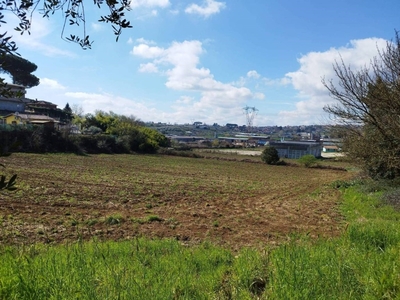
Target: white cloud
{"points": [[146, 51], [51, 83], [254, 77], [315, 66], [144, 41], [185, 100], [259, 96], [180, 64], [242, 81], [208, 8], [253, 74], [150, 3], [276, 82], [109, 102], [51, 90], [148, 68]]}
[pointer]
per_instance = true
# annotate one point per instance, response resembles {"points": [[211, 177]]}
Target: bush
{"points": [[270, 156], [46, 139], [41, 139], [392, 198], [307, 160], [94, 130]]}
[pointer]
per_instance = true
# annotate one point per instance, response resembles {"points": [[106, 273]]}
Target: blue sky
{"points": [[205, 60]]}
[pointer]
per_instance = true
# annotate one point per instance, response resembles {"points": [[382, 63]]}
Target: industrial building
{"points": [[297, 149]]}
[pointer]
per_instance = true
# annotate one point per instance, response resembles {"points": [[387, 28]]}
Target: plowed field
{"points": [[64, 197]]}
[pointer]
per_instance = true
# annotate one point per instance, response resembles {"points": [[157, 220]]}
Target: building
{"points": [[330, 148], [235, 141], [41, 105], [16, 102], [231, 126], [26, 119], [295, 149]]}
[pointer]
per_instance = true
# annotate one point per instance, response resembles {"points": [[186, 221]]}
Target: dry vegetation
{"points": [[64, 197]]}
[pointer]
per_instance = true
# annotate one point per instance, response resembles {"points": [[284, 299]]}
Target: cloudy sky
{"points": [[206, 60]]}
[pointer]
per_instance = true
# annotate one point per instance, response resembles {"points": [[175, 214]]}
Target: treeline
{"points": [[101, 133]]}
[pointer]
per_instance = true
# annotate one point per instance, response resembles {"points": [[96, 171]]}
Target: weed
{"points": [[154, 218], [114, 219], [345, 183], [172, 221], [138, 220], [91, 222]]}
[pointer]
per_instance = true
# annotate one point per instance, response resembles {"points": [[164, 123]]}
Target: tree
{"points": [[368, 109], [77, 110], [78, 117], [67, 115], [101, 120], [67, 109], [270, 156], [307, 160], [19, 69], [73, 12]]}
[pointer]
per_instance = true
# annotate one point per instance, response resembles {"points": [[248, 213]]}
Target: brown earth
{"points": [[62, 198]]}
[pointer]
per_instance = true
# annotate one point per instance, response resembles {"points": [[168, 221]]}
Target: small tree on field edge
{"points": [[307, 160], [270, 156]]}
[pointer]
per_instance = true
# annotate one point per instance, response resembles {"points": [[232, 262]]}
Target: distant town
{"points": [[300, 132], [290, 141]]}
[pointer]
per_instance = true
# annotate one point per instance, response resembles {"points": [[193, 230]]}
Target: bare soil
{"points": [[62, 198]]}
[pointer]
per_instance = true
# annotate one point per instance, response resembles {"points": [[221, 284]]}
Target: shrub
{"points": [[270, 156], [40, 139], [337, 184], [122, 144], [154, 218], [392, 198], [114, 220], [307, 160], [94, 130]]}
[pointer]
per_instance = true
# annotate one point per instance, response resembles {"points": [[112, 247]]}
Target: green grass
{"points": [[142, 269], [361, 264]]}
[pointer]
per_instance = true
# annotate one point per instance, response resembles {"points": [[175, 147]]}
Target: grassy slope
{"points": [[362, 264]]}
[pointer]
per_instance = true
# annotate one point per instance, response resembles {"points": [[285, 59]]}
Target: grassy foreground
{"points": [[363, 263]]}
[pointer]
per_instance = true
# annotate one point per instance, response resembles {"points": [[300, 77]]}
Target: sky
{"points": [[207, 60]]}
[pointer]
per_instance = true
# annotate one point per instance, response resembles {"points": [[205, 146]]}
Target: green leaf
{"points": [[12, 181]]}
